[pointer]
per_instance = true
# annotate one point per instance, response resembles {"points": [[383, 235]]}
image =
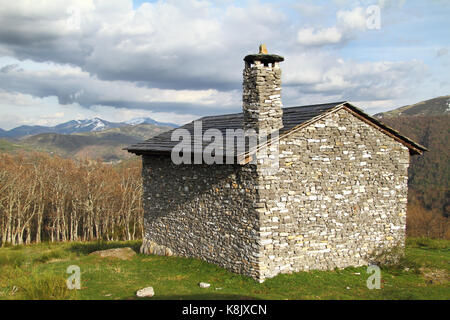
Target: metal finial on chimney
{"points": [[262, 49]]}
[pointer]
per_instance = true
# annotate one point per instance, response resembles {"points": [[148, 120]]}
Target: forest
{"points": [[429, 174], [48, 198]]}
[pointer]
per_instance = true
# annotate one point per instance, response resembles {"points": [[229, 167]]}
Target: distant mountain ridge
{"points": [[78, 126], [100, 144], [137, 121], [431, 107]]}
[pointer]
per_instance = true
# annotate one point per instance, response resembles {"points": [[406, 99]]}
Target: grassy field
{"points": [[39, 272], [7, 146]]}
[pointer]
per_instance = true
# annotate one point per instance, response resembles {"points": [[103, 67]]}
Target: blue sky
{"points": [[176, 61]]}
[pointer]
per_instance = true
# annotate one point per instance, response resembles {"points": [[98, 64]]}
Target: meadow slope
{"points": [[39, 272]]}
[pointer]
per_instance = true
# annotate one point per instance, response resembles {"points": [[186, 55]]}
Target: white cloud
{"points": [[166, 44], [352, 20], [72, 85], [310, 37], [348, 24], [320, 77], [21, 109]]}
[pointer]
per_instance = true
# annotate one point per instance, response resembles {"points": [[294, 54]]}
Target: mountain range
{"points": [[78, 126], [104, 144]]}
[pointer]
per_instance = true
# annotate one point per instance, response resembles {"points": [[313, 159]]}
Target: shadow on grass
{"points": [[86, 248], [426, 243]]}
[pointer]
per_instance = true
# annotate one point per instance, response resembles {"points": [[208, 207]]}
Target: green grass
{"points": [[39, 272], [7, 146]]}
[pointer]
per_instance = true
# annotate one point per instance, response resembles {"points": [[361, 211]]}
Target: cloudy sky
{"points": [[177, 60]]}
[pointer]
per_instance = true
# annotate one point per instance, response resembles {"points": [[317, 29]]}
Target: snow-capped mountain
{"points": [[88, 125], [77, 126], [137, 121]]}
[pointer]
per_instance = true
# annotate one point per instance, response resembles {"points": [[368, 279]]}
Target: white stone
{"points": [[204, 285], [266, 241], [146, 293]]}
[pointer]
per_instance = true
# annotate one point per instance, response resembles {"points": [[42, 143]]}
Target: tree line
{"points": [[429, 174], [49, 198]]}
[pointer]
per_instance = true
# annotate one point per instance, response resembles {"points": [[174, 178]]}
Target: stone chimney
{"points": [[261, 98]]}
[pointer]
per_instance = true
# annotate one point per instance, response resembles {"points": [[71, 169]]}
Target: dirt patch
{"points": [[435, 276], [117, 253]]}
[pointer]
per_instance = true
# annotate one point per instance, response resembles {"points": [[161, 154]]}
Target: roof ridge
{"points": [[284, 108], [316, 105]]}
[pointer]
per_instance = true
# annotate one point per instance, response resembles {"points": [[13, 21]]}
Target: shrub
{"points": [[12, 258], [88, 247], [44, 287], [394, 259]]}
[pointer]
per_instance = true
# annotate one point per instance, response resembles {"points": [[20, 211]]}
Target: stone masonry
{"points": [[337, 197], [203, 211]]}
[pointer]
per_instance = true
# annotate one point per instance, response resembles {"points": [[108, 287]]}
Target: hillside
{"points": [[141, 132], [429, 174], [428, 123], [8, 146], [106, 145], [436, 106]]}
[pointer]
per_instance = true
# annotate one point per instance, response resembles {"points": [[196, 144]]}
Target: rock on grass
{"points": [[204, 285], [119, 253], [146, 292]]}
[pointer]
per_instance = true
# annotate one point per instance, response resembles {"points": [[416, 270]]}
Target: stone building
{"points": [[335, 194]]}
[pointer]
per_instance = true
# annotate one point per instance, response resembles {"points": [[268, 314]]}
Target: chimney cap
{"points": [[263, 56]]}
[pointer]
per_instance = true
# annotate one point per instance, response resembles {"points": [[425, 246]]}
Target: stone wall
{"points": [[340, 194], [203, 211]]}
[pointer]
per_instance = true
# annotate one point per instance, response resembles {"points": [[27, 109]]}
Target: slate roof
{"points": [[293, 118]]}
